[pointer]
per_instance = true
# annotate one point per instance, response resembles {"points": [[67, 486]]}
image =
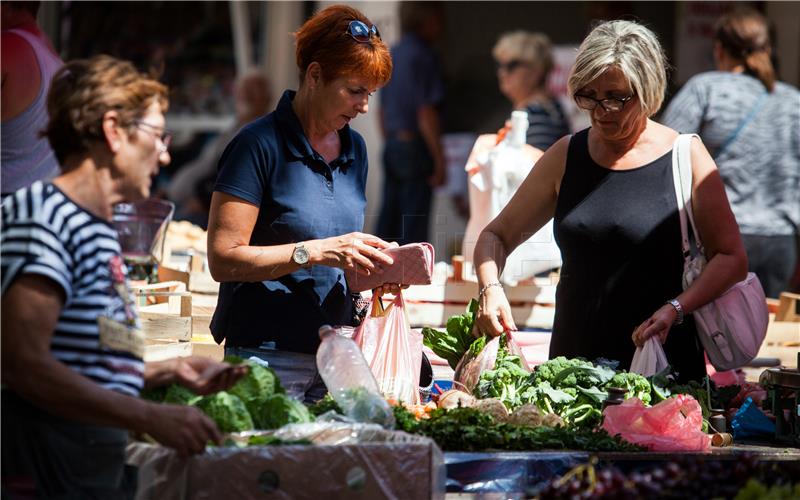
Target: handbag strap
{"points": [[682, 180], [747, 119]]}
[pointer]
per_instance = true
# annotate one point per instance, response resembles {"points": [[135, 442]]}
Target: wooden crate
{"points": [[782, 341], [165, 314], [788, 307]]}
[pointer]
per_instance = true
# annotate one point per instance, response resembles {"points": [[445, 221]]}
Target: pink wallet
{"points": [[413, 265]]}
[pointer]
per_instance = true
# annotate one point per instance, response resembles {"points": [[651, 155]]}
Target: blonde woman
{"points": [[524, 61], [609, 189]]}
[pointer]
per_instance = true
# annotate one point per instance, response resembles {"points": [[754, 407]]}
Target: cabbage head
{"points": [[228, 411]]}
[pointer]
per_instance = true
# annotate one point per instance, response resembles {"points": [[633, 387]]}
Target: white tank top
{"points": [[27, 157]]}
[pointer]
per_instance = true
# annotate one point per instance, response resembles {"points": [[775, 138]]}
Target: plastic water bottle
{"points": [[350, 381], [518, 134]]}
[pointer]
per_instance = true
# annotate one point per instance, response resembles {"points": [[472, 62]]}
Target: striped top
{"points": [[547, 123], [45, 233], [761, 166]]}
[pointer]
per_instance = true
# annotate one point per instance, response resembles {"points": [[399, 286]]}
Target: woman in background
{"points": [[751, 124], [524, 60]]}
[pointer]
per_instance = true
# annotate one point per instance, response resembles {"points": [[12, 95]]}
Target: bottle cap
{"points": [[325, 330]]}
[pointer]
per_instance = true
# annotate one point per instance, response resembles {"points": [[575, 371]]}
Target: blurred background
{"points": [[199, 48]]}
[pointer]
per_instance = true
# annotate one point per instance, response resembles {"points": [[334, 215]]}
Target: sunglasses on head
{"points": [[361, 33]]}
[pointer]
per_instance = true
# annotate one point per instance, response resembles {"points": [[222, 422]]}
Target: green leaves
{"points": [[456, 340]]}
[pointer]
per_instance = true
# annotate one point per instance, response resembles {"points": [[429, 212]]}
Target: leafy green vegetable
{"points": [[467, 429], [636, 385], [228, 411], [548, 370], [278, 410], [259, 384], [325, 405], [273, 441], [156, 394], [456, 340], [180, 395], [508, 381]]}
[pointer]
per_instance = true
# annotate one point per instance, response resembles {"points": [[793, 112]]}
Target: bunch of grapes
{"points": [[688, 477]]}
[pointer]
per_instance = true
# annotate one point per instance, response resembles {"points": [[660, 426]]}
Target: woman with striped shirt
{"points": [[72, 363]]}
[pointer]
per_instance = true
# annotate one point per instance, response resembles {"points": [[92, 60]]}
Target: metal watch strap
{"points": [[678, 309], [487, 286]]}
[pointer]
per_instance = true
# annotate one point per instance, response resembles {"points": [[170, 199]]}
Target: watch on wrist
{"points": [[300, 255], [678, 309]]}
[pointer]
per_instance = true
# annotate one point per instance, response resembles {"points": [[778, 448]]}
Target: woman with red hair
{"points": [[288, 205]]}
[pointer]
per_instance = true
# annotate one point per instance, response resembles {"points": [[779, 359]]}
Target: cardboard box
{"points": [[410, 467]]}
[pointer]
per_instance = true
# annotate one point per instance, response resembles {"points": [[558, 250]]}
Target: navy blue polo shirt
{"points": [[271, 164]]}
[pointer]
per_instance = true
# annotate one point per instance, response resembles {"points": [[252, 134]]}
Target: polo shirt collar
{"points": [[296, 140]]}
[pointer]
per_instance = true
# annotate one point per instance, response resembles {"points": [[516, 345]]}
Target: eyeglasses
{"points": [[361, 33], [162, 134], [610, 104], [510, 66]]}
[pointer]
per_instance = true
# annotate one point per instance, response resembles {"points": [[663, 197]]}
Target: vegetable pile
{"points": [[257, 401]]}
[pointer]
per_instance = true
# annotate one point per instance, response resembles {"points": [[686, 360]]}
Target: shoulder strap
{"points": [[682, 179], [747, 119]]}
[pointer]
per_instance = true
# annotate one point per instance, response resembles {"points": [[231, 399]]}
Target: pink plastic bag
{"points": [[469, 367], [392, 350], [671, 425]]}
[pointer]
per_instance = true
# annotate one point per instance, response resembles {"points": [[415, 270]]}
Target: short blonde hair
{"points": [[533, 48], [633, 49]]}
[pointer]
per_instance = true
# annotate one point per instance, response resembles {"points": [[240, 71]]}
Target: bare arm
{"points": [[31, 307], [232, 258], [21, 78], [727, 260], [531, 207], [431, 130]]}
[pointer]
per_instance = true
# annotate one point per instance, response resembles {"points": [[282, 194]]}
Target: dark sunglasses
{"points": [[510, 65], [361, 33]]}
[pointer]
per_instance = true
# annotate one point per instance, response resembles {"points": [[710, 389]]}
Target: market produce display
{"points": [[257, 401], [743, 478]]}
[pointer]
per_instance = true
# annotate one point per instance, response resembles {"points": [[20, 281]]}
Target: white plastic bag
{"points": [[496, 171], [649, 359]]}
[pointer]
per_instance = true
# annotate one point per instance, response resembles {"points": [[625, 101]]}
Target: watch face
{"points": [[300, 255]]}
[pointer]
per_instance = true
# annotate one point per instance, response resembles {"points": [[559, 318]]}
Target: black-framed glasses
{"points": [[361, 33], [510, 66], [609, 104], [162, 134]]}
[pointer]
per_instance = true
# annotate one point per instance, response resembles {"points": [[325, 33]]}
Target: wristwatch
{"points": [[300, 255], [678, 309]]}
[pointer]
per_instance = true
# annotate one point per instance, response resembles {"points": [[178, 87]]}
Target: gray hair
{"points": [[633, 49]]}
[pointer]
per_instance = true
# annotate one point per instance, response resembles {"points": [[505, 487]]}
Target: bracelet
{"points": [[678, 309], [487, 286]]}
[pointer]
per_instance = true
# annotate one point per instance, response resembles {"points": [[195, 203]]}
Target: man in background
{"points": [[413, 157], [28, 63]]}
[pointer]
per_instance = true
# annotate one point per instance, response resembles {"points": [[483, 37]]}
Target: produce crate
{"points": [[165, 314], [407, 467]]}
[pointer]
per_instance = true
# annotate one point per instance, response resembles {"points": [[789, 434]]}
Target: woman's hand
{"points": [[658, 324], [359, 252], [494, 314], [204, 376]]}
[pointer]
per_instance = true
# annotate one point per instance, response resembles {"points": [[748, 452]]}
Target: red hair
{"points": [[325, 39]]}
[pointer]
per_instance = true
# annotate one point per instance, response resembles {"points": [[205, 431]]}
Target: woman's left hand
{"points": [[658, 324], [204, 376]]}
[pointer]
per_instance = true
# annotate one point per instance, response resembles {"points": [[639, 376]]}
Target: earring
{"points": [[115, 147]]}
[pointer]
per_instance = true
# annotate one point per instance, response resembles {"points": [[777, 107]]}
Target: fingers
{"points": [[373, 241], [507, 320]]}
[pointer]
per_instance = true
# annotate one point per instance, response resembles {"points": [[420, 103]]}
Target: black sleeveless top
{"points": [[620, 240]]}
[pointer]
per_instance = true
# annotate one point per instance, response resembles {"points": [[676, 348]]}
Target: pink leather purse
{"points": [[413, 265]]}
